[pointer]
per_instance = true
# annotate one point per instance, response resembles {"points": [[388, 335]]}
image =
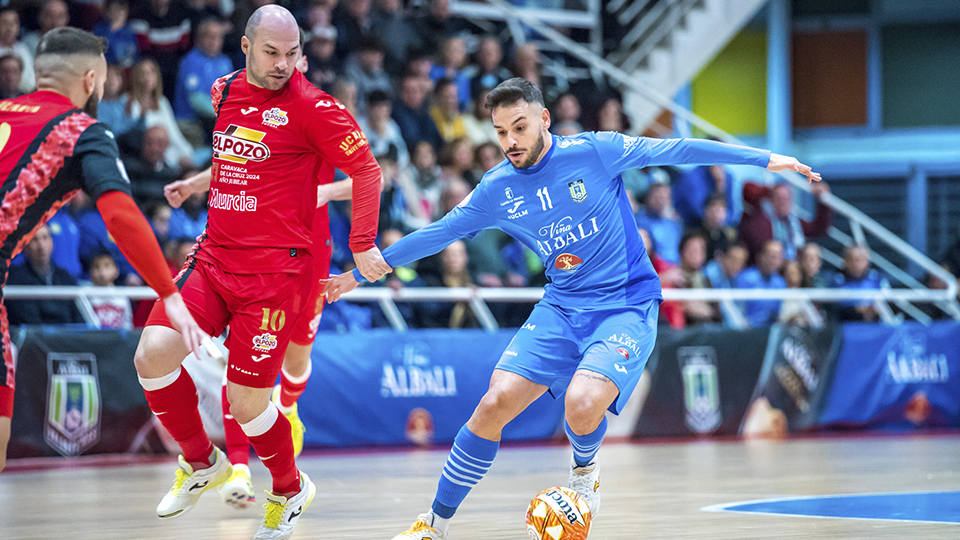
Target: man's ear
{"points": [[545, 115], [90, 82], [245, 44]]}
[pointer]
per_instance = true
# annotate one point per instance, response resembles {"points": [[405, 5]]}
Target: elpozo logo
{"points": [[265, 342], [240, 145], [275, 117]]}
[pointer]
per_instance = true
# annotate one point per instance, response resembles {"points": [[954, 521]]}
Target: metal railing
{"points": [[478, 298]]}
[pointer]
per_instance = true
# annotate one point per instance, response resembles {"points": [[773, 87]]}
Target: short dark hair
{"points": [[511, 91], [689, 236], [376, 97], [69, 40]]}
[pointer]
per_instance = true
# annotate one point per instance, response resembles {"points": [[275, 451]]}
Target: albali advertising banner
{"points": [[895, 377], [762, 382], [383, 387], [76, 392]]}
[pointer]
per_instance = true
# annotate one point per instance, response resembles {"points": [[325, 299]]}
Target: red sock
{"points": [[238, 446], [176, 407], [275, 448], [290, 391]]}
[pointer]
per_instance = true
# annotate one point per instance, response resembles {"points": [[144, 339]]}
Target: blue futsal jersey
{"points": [[572, 210]]}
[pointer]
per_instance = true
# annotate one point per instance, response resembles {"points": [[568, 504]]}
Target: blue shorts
{"points": [[555, 342]]}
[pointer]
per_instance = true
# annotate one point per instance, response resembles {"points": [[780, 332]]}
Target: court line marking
{"points": [[725, 507]]}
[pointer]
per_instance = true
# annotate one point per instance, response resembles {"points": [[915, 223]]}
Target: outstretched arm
{"points": [[779, 163], [181, 190]]}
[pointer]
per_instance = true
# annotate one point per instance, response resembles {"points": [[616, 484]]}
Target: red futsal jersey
{"points": [[271, 148]]}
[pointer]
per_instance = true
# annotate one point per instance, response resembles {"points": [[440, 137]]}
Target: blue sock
{"points": [[585, 447], [470, 458]]}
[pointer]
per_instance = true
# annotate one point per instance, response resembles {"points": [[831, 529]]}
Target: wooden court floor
{"points": [[650, 490]]}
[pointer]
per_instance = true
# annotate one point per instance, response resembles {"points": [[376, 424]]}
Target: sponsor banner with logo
{"points": [[701, 381], [384, 387], [903, 376], [77, 392], [793, 382]]}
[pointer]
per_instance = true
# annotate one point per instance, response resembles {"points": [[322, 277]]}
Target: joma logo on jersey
{"points": [[353, 142], [563, 234], [239, 145]]}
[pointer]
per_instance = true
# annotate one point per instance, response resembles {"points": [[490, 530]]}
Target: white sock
{"points": [[439, 523]]}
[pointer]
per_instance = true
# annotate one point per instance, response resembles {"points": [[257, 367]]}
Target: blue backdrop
{"points": [[382, 387]]}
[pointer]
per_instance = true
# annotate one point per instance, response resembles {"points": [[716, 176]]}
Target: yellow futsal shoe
{"points": [[190, 484], [283, 513], [422, 530], [297, 429], [237, 492]]}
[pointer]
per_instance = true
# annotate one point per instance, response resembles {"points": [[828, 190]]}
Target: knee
{"points": [[492, 407], [244, 406], [584, 412]]}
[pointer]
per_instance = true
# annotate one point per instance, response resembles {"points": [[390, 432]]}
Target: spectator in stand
{"points": [[567, 112], [201, 10], [402, 276], [321, 55], [112, 108], [190, 220], [365, 69], [438, 24], [399, 200], [419, 64], [526, 64], [693, 255], [11, 70], [764, 275], [163, 31], [768, 215], [94, 239], [113, 311], [9, 32], [660, 221], [479, 125], [149, 172], [714, 226], [353, 21], [671, 311], [159, 216], [200, 68], [446, 111], [488, 71], [121, 40], [793, 311], [146, 103], [450, 64], [811, 267], [38, 269], [381, 130], [722, 271], [426, 178], [52, 14], [453, 267], [411, 114], [66, 241], [346, 93], [611, 117], [857, 274], [456, 162], [396, 32], [695, 187], [485, 157]]}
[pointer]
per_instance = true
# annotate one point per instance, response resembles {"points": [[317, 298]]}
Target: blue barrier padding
{"points": [[942, 507], [384, 387], [897, 377]]}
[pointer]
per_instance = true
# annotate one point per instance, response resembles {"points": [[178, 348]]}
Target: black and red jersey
{"points": [[271, 148], [48, 150]]}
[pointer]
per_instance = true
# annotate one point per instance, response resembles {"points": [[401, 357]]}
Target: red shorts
{"points": [[259, 308], [305, 328]]}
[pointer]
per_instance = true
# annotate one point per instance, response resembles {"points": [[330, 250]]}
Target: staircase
{"points": [[665, 43]]}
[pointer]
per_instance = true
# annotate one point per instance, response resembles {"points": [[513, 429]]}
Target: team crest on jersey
{"points": [[568, 262], [275, 117], [578, 191], [265, 342], [239, 145], [624, 353], [72, 423]]}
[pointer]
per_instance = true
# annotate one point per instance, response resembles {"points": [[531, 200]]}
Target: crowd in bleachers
{"points": [[414, 76]]}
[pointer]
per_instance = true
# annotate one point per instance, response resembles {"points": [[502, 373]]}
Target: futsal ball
{"points": [[558, 513]]}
